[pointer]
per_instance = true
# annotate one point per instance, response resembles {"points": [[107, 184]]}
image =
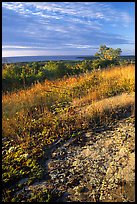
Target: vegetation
{"points": [[106, 53], [18, 76], [69, 100], [23, 75], [107, 57], [34, 118]]}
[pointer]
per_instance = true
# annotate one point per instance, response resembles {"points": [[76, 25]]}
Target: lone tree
{"points": [[107, 53], [107, 56]]}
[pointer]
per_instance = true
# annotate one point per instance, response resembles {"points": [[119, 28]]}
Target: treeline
{"points": [[22, 75], [16, 76]]}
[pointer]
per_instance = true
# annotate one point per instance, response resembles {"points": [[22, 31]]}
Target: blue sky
{"points": [[66, 28]]}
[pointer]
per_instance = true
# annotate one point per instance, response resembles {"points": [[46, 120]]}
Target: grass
{"points": [[34, 118]]}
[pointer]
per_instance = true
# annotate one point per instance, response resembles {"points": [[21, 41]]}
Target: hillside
{"points": [[38, 120]]}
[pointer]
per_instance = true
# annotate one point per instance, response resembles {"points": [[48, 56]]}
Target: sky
{"points": [[66, 28]]}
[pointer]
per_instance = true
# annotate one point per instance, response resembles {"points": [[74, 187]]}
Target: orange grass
{"points": [[39, 111], [12, 103]]}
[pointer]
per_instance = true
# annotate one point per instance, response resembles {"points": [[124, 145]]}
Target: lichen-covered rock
{"points": [[100, 168]]}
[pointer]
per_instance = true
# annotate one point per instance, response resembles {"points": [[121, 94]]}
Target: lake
{"points": [[40, 58]]}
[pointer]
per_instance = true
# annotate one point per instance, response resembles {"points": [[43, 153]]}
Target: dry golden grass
{"points": [[87, 94], [102, 111], [116, 77], [110, 104]]}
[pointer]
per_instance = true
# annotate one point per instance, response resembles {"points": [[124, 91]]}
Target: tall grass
{"points": [[92, 86], [45, 102]]}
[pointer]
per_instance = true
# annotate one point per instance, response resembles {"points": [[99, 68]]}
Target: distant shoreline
{"points": [[42, 58], [27, 59]]}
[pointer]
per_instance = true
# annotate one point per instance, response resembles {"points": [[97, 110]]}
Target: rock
{"points": [[128, 173], [52, 165], [86, 152], [123, 152], [91, 170], [88, 134], [108, 142], [54, 154], [76, 163]]}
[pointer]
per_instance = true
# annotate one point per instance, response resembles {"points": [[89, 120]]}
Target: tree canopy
{"points": [[108, 53]]}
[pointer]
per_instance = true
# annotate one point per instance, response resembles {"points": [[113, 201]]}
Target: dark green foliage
{"points": [[99, 63], [55, 70], [18, 76]]}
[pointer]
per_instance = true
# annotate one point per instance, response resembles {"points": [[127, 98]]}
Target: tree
{"points": [[107, 53]]}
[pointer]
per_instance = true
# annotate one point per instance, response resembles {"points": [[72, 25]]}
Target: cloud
{"points": [[63, 25], [20, 47], [78, 11], [14, 47], [80, 46]]}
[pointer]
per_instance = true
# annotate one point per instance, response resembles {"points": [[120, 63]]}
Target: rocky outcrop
{"points": [[96, 166]]}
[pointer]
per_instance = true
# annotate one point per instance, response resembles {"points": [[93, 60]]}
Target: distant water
{"points": [[40, 58]]}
